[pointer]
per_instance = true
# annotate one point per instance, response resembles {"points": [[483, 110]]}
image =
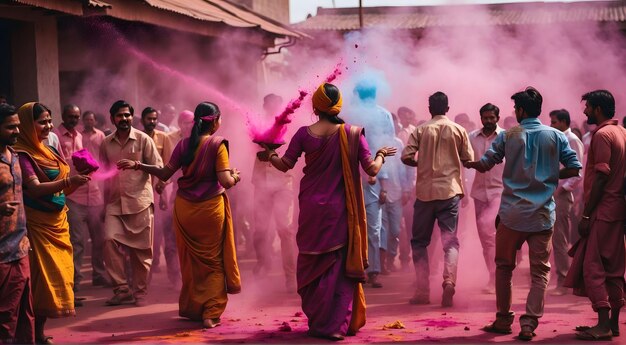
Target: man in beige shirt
{"points": [[129, 199], [163, 232], [443, 145]]}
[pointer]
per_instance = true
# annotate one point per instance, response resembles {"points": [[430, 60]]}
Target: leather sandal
{"points": [[492, 328], [584, 328], [593, 334], [526, 334]]}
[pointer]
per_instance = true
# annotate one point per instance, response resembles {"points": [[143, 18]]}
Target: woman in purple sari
{"points": [[332, 234]]}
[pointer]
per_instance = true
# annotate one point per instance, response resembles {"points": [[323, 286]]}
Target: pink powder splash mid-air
{"points": [[272, 135], [276, 133], [103, 175], [111, 32]]}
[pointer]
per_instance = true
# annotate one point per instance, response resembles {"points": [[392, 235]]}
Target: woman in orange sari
{"points": [[332, 231], [202, 217], [45, 179]]}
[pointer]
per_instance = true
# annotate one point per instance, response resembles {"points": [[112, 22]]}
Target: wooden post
{"points": [[361, 14]]}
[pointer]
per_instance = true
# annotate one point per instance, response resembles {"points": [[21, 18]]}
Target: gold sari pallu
{"points": [[356, 262]]}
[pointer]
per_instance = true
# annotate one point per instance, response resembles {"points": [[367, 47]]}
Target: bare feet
{"points": [[211, 323]]}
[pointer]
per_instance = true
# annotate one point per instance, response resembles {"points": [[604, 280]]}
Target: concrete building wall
{"points": [[34, 60], [275, 9]]}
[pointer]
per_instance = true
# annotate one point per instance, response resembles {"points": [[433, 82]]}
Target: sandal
{"points": [[593, 334], [526, 334], [492, 328], [584, 328], [45, 340]]}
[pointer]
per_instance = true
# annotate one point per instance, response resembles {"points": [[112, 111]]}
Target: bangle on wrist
{"points": [[586, 217], [381, 156], [272, 154]]}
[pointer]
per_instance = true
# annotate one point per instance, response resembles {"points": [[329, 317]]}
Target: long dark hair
{"points": [[39, 109], [333, 93], [205, 117]]}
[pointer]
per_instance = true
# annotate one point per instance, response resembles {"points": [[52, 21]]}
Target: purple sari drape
{"points": [[326, 291]]}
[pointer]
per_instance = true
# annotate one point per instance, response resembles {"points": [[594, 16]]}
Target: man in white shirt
{"points": [[564, 199], [487, 189]]}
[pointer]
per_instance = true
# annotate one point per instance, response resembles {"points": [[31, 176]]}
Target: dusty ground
{"points": [[255, 315]]}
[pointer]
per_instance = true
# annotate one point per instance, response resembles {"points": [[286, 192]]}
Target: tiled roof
{"points": [[224, 11], [418, 17], [204, 11]]}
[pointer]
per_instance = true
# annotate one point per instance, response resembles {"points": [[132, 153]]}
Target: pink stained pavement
{"points": [[260, 311]]}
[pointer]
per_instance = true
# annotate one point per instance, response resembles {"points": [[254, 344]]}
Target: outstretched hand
{"points": [[79, 180], [474, 165], [124, 164], [388, 151]]}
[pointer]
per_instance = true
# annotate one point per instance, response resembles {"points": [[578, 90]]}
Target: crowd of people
{"points": [[354, 219]]}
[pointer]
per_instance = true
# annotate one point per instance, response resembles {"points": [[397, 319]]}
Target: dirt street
{"points": [[257, 314]]}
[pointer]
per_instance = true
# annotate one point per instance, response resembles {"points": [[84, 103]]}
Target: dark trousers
{"points": [[446, 213], [17, 320]]}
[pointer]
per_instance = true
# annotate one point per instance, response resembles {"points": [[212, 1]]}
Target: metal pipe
{"points": [[291, 42]]}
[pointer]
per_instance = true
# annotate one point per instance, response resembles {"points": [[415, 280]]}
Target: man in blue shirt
{"points": [[527, 211], [379, 132]]}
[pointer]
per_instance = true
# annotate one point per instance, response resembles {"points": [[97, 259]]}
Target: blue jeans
{"points": [[374, 223], [392, 216], [446, 212]]}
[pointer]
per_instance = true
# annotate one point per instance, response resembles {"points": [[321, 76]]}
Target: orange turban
{"points": [[324, 104]]}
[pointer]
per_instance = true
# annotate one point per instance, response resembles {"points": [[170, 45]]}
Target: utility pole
{"points": [[361, 14]]}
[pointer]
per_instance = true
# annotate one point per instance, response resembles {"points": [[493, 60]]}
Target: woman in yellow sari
{"points": [[45, 178], [202, 217]]}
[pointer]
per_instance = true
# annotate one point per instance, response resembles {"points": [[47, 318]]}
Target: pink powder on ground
{"points": [[84, 161], [440, 323]]}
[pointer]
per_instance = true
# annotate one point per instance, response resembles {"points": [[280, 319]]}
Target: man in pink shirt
{"points": [[602, 223], [91, 202], [80, 217]]}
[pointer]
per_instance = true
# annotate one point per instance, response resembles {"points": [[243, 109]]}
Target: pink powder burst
{"points": [[84, 162], [276, 133]]}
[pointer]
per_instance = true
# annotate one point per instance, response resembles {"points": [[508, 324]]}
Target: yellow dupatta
{"points": [[29, 143], [357, 230]]}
